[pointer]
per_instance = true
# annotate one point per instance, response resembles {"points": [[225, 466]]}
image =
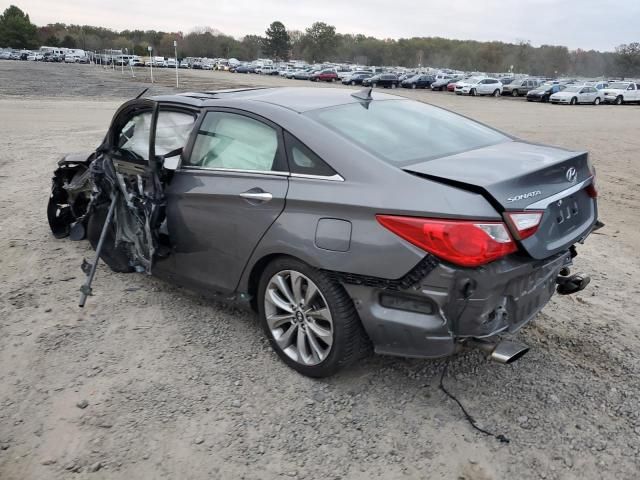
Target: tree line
{"points": [[321, 43]]}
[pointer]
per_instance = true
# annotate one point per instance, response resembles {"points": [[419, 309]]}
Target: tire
{"points": [[544, 99], [352, 82], [496, 92], [413, 86], [473, 92], [596, 101], [574, 101], [619, 100], [514, 92], [374, 85], [339, 324]]}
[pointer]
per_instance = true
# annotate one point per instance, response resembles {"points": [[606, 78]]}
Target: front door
{"points": [[228, 191]]}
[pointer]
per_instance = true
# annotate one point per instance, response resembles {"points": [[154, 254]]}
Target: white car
{"points": [[479, 86], [575, 94], [622, 92], [36, 57]]}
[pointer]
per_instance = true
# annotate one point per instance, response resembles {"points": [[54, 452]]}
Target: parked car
{"points": [[385, 80], [245, 69], [521, 87], [544, 92], [479, 86], [327, 75], [356, 78], [136, 62], [35, 57], [575, 94], [418, 81], [405, 76], [506, 80], [440, 84], [451, 86], [303, 74], [301, 204], [622, 92]]}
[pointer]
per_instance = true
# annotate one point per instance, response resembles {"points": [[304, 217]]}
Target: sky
{"points": [[586, 24]]}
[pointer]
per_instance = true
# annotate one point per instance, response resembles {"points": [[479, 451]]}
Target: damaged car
{"points": [[349, 221]]}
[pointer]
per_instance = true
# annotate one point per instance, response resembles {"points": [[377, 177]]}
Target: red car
{"points": [[324, 76], [451, 87]]}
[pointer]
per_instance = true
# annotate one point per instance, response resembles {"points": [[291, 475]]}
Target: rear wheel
{"points": [[574, 101], [596, 101], [496, 92], [309, 319]]}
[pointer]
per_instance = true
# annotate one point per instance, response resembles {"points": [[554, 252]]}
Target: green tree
{"points": [[16, 30], [628, 59], [277, 43], [68, 41], [320, 41]]}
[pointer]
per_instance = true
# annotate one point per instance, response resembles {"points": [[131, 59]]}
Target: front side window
{"points": [[233, 141], [403, 132], [172, 132]]}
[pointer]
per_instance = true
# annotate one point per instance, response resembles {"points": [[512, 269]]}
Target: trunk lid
{"points": [[517, 176]]}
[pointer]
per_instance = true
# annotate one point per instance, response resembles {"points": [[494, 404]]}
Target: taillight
{"points": [[592, 190], [525, 223], [463, 242]]}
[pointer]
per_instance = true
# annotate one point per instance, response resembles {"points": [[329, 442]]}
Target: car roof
{"points": [[297, 99]]}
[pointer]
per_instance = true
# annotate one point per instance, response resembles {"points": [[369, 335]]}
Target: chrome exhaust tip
{"points": [[505, 351]]}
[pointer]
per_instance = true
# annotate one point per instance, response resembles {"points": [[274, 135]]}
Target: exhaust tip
{"points": [[508, 352]]}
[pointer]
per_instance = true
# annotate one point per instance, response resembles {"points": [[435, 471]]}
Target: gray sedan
{"points": [[349, 221]]}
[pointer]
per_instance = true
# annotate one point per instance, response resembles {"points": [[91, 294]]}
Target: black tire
{"points": [[515, 92], [596, 101], [350, 342], [352, 82], [473, 92], [413, 86], [619, 100], [545, 99], [574, 101], [496, 92]]}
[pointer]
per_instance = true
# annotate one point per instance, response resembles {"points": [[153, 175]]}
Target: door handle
{"points": [[257, 196]]}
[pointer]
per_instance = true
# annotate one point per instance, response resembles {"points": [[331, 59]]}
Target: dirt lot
{"points": [[149, 381]]}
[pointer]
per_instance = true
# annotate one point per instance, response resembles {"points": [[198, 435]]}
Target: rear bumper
{"points": [[458, 303]]}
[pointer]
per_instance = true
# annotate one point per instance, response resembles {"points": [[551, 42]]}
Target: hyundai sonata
{"points": [[349, 221]]}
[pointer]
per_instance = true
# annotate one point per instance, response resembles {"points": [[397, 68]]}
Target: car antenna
{"points": [[363, 94], [142, 93]]}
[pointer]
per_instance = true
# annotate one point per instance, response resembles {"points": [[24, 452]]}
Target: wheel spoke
{"points": [[274, 298], [315, 346], [276, 321], [301, 345], [286, 338], [284, 288], [296, 284], [322, 333], [310, 293], [322, 313]]}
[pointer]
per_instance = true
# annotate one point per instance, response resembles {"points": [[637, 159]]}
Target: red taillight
{"points": [[592, 191], [463, 242], [525, 223]]}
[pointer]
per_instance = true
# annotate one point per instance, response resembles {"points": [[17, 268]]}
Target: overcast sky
{"points": [[587, 24]]}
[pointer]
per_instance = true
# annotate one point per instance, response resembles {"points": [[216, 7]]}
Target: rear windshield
{"points": [[403, 132]]}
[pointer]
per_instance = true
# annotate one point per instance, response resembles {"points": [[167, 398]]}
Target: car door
{"points": [[229, 189]]}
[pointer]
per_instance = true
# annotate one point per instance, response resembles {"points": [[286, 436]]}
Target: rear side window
{"points": [[233, 141], [402, 132], [303, 161]]}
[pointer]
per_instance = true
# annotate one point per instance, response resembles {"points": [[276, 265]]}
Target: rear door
{"points": [[228, 191]]}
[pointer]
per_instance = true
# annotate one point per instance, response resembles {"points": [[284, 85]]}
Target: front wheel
{"points": [[352, 82], [596, 101], [574, 101], [309, 319], [473, 92], [515, 92], [619, 100], [413, 86], [496, 93]]}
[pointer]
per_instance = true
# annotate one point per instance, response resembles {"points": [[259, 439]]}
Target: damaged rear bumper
{"points": [[451, 304]]}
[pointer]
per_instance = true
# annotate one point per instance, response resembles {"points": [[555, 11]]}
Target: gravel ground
{"points": [[150, 381]]}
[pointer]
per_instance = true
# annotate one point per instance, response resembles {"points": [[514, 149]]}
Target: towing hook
{"points": [[569, 284]]}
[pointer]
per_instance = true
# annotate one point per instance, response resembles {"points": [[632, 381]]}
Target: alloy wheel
{"points": [[298, 317]]}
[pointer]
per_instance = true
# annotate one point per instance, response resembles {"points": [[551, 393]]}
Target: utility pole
{"points": [[175, 49], [150, 49]]}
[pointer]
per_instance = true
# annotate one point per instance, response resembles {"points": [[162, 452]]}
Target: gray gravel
{"points": [[150, 381]]}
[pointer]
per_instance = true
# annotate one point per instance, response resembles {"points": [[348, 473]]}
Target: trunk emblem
{"points": [[571, 174]]}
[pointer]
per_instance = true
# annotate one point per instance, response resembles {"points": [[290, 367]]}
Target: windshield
{"points": [[573, 89], [619, 85], [403, 132]]}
